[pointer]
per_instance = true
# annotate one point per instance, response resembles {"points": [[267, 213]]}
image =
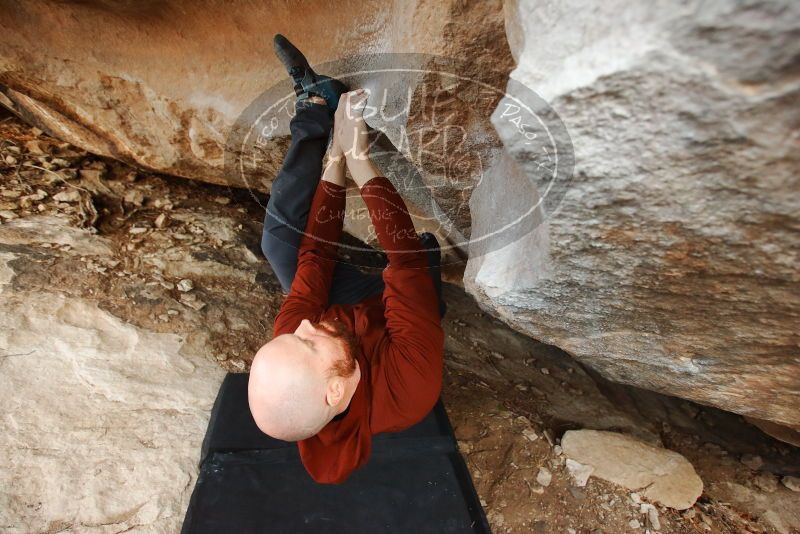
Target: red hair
{"points": [[346, 366]]}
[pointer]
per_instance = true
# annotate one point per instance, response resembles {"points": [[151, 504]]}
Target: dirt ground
{"points": [[186, 259]]}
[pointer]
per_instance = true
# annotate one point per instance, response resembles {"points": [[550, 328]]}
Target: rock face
{"points": [[114, 338], [149, 271], [671, 262], [162, 86], [661, 475], [103, 420], [776, 509]]}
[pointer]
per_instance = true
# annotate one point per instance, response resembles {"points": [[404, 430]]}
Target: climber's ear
{"points": [[334, 393]]}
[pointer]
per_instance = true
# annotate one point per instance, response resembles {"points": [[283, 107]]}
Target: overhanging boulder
{"points": [[671, 262]]}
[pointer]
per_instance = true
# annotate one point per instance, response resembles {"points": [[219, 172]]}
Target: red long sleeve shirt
{"points": [[399, 332]]}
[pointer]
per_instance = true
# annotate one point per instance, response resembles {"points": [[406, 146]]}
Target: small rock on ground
{"points": [[659, 474], [793, 483], [544, 477]]}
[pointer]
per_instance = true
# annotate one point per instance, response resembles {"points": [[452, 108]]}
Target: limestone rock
{"points": [[579, 472], [102, 420], [652, 516], [753, 461], [67, 196], [185, 285], [777, 510], [53, 229], [658, 474], [793, 483], [544, 476], [148, 105], [671, 262], [766, 482], [781, 432]]}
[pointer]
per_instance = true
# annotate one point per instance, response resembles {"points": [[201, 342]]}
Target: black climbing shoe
{"points": [[292, 58], [306, 81]]}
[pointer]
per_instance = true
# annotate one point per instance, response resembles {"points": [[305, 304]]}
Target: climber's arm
{"points": [[316, 259], [412, 350], [407, 380]]}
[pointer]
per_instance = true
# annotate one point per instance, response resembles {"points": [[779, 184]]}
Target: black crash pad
{"points": [[415, 481]]}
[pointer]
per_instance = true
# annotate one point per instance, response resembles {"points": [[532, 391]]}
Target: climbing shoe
{"points": [[306, 81]]}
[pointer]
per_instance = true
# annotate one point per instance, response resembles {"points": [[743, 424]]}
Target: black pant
{"points": [[287, 213]]}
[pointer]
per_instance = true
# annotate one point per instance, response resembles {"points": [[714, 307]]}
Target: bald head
{"points": [[294, 389]]}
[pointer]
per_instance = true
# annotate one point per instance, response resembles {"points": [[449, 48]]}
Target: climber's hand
{"points": [[350, 127], [335, 152], [335, 165], [352, 133]]}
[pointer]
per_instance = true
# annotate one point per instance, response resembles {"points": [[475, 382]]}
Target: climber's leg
{"points": [[289, 203], [293, 189], [295, 185]]}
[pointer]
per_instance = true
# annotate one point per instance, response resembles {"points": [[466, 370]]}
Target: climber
{"points": [[352, 354]]}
